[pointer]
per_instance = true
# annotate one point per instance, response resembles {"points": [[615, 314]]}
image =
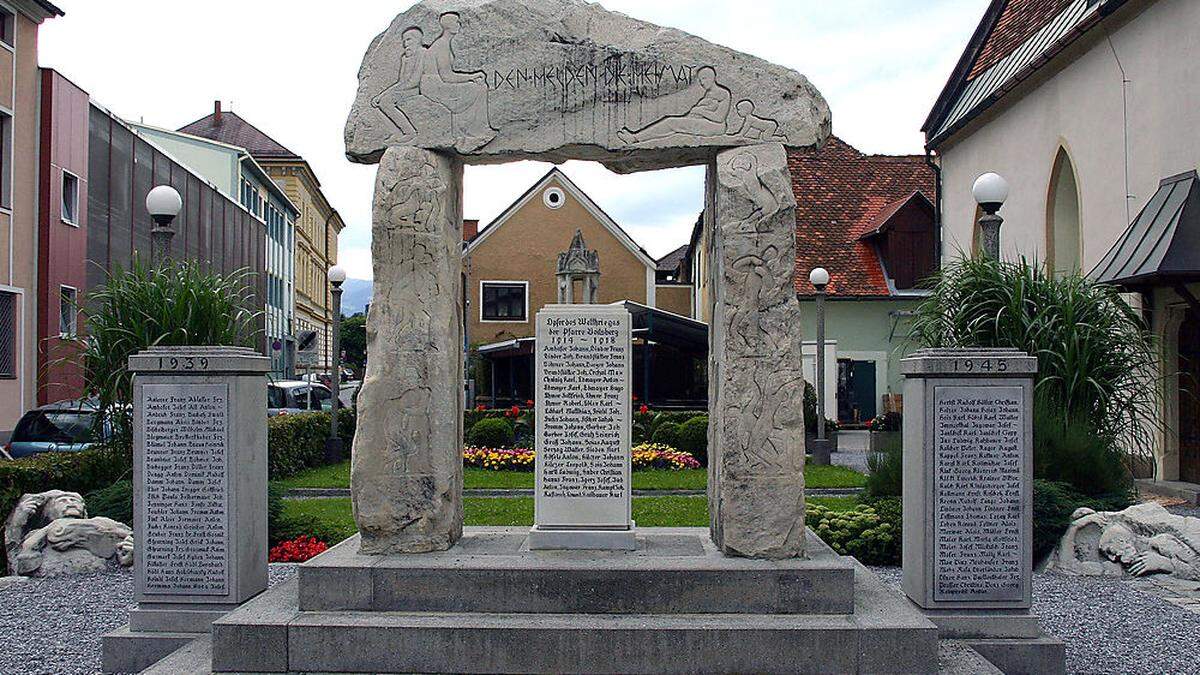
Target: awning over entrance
{"points": [[1162, 245]]}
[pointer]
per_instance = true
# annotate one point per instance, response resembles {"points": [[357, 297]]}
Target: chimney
{"points": [[470, 229], [216, 113]]}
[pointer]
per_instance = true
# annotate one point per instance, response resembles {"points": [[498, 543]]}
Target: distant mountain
{"points": [[356, 294]]}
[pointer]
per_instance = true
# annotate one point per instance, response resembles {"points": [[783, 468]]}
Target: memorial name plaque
{"points": [[978, 545], [583, 418], [968, 479], [185, 479]]}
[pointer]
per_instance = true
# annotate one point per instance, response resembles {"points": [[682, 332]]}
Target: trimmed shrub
{"points": [[693, 438], [864, 533], [666, 434], [82, 472], [491, 433], [297, 442]]}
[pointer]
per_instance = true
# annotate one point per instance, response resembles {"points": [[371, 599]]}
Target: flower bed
{"points": [[297, 550], [645, 456]]}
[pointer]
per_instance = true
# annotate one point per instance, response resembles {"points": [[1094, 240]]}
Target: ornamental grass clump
{"points": [[1096, 359], [175, 304]]}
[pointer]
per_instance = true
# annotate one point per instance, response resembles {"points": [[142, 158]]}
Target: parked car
{"points": [[296, 396], [65, 426]]}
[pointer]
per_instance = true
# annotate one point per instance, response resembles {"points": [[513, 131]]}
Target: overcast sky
{"points": [[289, 67]]}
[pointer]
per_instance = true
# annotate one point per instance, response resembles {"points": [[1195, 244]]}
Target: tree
{"points": [[354, 341]]}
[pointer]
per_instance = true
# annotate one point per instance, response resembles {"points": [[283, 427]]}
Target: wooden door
{"points": [[1189, 398]]}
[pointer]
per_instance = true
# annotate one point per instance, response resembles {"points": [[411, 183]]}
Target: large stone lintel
{"points": [[756, 433], [504, 80], [406, 469]]}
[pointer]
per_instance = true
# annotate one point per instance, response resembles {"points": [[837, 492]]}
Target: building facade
{"points": [[316, 230], [236, 172], [1086, 107], [20, 86], [509, 267]]}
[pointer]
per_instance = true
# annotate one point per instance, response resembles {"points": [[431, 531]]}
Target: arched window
{"points": [[1063, 242]]}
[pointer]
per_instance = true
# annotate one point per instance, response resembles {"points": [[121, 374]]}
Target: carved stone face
{"points": [[450, 22], [413, 39], [1119, 544], [745, 108], [67, 505], [707, 77]]}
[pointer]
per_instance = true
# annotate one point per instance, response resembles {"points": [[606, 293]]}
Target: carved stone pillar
{"points": [[756, 385], [406, 473]]}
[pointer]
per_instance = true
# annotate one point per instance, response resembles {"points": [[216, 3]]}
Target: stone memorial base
{"points": [[155, 632], [491, 604], [582, 539], [1012, 640]]}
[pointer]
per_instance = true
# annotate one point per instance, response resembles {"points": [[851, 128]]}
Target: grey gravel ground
{"points": [[1109, 626], [852, 450], [53, 626]]}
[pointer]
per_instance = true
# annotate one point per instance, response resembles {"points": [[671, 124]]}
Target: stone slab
{"points": [[1189, 492], [958, 658], [883, 634], [493, 570], [194, 658], [1043, 655], [549, 539], [127, 651], [964, 624], [554, 80], [175, 619]]}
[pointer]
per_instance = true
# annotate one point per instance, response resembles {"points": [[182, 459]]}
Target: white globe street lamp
{"points": [[990, 191], [819, 278], [164, 204], [333, 445]]}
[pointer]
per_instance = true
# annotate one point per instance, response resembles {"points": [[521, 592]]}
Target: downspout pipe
{"points": [[937, 200]]}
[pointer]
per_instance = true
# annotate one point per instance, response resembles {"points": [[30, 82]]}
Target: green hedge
{"points": [[693, 438], [491, 432], [297, 442], [870, 532], [645, 424], [80, 472]]}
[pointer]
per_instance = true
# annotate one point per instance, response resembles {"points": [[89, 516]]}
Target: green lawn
{"points": [[335, 517], [338, 476]]}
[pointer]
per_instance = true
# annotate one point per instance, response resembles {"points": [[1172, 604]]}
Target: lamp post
{"points": [[163, 203], [990, 191], [819, 278], [333, 444]]}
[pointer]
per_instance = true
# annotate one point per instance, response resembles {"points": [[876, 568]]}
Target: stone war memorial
{"points": [[456, 82]]}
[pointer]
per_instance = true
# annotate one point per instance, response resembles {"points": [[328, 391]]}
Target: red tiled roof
{"points": [[670, 261], [1018, 22], [229, 127], [841, 194]]}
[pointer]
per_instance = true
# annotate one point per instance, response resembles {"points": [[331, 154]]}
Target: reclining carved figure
{"points": [[49, 533], [1141, 540]]}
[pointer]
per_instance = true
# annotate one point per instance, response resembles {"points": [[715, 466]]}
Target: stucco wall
{"points": [[526, 247], [1080, 108], [674, 298], [863, 330]]}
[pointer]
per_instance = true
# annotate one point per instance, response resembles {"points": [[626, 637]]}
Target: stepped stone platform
{"points": [[492, 605]]}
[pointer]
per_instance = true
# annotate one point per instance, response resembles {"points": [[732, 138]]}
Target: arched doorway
{"points": [[1189, 397], [1063, 243]]}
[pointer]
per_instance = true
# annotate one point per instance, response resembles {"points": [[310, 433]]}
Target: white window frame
{"points": [[74, 313], [73, 222], [513, 282]]}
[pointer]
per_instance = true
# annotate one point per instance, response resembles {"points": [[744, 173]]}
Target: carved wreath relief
{"points": [[705, 109]]}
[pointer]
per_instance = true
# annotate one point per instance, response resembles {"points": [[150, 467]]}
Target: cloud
{"points": [[880, 64]]}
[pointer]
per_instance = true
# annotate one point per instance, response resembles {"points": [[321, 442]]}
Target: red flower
{"points": [[529, 403], [516, 410], [297, 550], [644, 409], [480, 408]]}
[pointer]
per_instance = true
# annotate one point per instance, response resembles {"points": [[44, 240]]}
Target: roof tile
{"points": [[232, 129]]}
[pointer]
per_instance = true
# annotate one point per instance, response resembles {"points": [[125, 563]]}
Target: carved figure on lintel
{"points": [[1142, 540], [752, 126], [428, 71], [49, 533], [755, 275], [708, 116]]}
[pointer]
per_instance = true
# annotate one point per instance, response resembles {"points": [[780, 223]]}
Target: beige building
{"points": [[19, 124], [509, 267], [317, 227], [1085, 107]]}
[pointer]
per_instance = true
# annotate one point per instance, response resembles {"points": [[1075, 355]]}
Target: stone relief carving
{"points": [[756, 438], [406, 468], [1142, 540], [429, 71], [49, 533], [500, 80]]}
